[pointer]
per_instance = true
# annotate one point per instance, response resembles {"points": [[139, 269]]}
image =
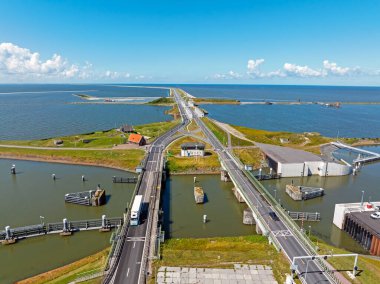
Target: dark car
{"points": [[274, 216]]}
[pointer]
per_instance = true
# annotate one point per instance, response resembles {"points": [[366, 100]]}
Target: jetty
{"points": [[199, 194], [303, 192], [64, 228], [364, 157], [88, 198], [124, 179]]}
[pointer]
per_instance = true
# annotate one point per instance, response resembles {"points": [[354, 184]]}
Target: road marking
{"points": [[136, 239], [134, 244], [128, 272], [282, 233]]}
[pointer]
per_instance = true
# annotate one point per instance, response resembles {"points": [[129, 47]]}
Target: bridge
{"points": [[136, 246], [368, 155]]}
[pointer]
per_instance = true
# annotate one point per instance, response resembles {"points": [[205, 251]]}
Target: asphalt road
{"points": [[132, 255], [291, 245]]}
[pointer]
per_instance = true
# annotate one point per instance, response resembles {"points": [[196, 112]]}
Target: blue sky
{"points": [[250, 42]]}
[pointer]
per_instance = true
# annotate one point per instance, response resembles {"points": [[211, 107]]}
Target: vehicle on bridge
{"points": [[136, 210]]}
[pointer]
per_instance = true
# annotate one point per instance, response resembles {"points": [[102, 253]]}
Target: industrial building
{"points": [[356, 220], [192, 149], [289, 162]]}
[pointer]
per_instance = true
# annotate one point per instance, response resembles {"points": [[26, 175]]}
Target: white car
{"points": [[375, 215]]}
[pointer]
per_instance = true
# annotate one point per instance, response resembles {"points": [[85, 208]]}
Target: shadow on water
{"points": [[205, 198], [108, 198]]}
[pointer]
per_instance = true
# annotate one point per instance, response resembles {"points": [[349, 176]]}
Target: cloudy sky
{"points": [[249, 42]]}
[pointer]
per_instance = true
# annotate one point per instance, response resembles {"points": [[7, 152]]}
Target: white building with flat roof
{"points": [[192, 149], [289, 162]]}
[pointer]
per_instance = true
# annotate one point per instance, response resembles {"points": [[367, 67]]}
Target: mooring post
{"points": [[8, 233], [104, 221], [204, 218], [53, 176], [83, 178], [65, 225], [13, 169]]}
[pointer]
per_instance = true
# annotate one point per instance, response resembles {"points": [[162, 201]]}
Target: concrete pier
{"points": [[248, 218], [224, 176], [238, 195]]}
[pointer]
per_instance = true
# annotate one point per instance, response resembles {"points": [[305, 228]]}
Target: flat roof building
{"points": [[192, 149], [289, 162]]}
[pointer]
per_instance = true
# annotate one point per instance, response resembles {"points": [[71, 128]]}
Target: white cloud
{"points": [[333, 69], [301, 71], [226, 76], [253, 66], [15, 60]]}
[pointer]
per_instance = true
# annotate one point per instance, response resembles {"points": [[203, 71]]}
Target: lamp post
{"points": [[361, 203], [309, 231]]}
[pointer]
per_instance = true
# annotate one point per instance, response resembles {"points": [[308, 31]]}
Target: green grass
{"points": [[218, 132], [177, 164], [162, 101], [124, 159], [214, 101], [251, 156], [98, 139], [154, 130], [68, 273], [223, 252], [369, 268], [239, 142]]}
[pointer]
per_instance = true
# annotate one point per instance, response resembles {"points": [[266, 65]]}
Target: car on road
{"points": [[274, 216], [375, 215]]}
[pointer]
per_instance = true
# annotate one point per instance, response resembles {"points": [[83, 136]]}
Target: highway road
{"points": [[129, 268], [290, 244]]}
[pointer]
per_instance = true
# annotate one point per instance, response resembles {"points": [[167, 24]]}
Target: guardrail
{"points": [[119, 240]]}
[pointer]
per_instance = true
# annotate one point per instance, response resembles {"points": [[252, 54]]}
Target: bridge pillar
{"points": [[66, 230], [238, 195], [258, 230], [224, 176], [248, 218]]}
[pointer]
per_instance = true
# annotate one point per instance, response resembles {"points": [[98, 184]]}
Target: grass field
{"points": [[218, 132], [162, 101], [65, 274], [368, 268], [123, 159], [98, 139], [215, 101], [251, 156], [177, 164], [154, 130], [223, 252]]}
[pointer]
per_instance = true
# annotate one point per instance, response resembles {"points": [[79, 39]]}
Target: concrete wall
{"points": [[313, 168]]}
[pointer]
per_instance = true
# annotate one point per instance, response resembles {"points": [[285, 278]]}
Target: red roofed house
{"points": [[137, 139]]}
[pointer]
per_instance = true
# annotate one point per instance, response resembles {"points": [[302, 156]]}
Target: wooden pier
{"points": [[66, 227], [124, 179], [88, 198]]}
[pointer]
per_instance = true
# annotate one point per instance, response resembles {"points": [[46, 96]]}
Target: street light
{"points": [[309, 231]]}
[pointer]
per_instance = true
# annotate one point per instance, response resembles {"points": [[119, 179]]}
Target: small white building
{"points": [[192, 149], [341, 209], [199, 112]]}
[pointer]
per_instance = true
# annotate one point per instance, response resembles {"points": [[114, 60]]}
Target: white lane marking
{"points": [[134, 244], [282, 233], [128, 272]]}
